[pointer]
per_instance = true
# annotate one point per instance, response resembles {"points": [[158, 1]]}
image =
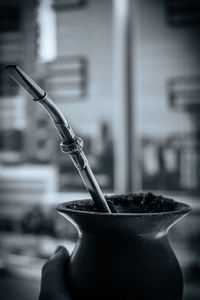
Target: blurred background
{"points": [[126, 74]]}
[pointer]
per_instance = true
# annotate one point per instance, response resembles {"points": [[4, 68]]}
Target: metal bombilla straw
{"points": [[70, 144]]}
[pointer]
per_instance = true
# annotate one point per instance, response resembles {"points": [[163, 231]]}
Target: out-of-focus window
{"points": [[167, 111], [67, 78]]}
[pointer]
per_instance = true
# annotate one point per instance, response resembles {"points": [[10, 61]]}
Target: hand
{"points": [[53, 282]]}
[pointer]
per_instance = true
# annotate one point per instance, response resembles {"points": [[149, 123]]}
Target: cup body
{"points": [[124, 256]]}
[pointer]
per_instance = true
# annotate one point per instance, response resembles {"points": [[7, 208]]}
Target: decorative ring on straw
{"points": [[75, 147]]}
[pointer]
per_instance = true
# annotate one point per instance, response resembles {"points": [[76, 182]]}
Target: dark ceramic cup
{"points": [[124, 255]]}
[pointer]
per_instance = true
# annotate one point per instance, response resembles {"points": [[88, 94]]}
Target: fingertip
{"points": [[62, 250], [61, 253], [59, 248], [57, 260]]}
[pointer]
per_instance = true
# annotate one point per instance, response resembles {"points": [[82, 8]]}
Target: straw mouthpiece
{"points": [[25, 82]]}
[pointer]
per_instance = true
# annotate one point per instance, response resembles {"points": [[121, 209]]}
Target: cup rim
{"points": [[182, 209]]}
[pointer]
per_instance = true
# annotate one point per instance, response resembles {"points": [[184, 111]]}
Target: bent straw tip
{"points": [[10, 67], [25, 82]]}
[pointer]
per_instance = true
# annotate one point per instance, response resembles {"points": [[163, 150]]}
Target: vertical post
{"points": [[122, 96]]}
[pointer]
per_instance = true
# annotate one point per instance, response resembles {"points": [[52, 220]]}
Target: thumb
{"points": [[53, 283], [58, 260]]}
